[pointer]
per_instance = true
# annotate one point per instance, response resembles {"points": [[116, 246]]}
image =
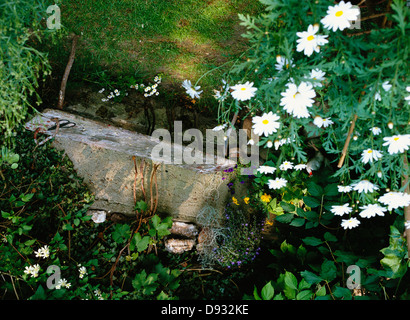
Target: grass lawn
{"points": [[143, 38]]}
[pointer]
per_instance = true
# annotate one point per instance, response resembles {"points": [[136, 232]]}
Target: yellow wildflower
{"points": [[266, 198], [235, 201], [246, 200]]}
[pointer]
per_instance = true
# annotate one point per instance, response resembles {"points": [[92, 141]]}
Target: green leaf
{"points": [[267, 291], [311, 202], [344, 293], [291, 281], [285, 218], [330, 237], [328, 270], [321, 291], [287, 206], [26, 197], [331, 190], [297, 222], [139, 242], [310, 277], [255, 293], [314, 189], [304, 295], [312, 241], [121, 233]]}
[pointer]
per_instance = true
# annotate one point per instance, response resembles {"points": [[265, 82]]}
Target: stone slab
{"points": [[103, 155]]}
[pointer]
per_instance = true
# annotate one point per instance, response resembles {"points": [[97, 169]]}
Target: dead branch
{"points": [[61, 94], [346, 146]]}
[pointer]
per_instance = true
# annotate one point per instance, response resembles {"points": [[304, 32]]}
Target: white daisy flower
{"points": [[340, 16], [320, 122], [370, 155], [266, 169], [283, 63], [397, 143], [344, 188], [300, 166], [269, 144], [82, 272], [266, 124], [308, 41], [371, 210], [376, 130], [243, 92], [277, 183], [317, 75], [286, 165], [350, 223], [341, 210], [365, 186], [296, 99], [395, 200], [193, 92]]}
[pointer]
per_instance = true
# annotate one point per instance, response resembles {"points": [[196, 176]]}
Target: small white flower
{"points": [[370, 155], [365, 186], [340, 16], [344, 188], [43, 252], [308, 40], [83, 271], [317, 75], [102, 90], [32, 270], [371, 210], [243, 92], [277, 183], [320, 122], [193, 92], [63, 283], [266, 169], [286, 165], [350, 223], [300, 166], [220, 127], [265, 124], [397, 143], [395, 200], [251, 142], [341, 210], [408, 97], [277, 144], [376, 130], [283, 63]]}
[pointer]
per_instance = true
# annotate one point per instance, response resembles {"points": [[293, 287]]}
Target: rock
{"points": [[179, 246], [103, 155], [183, 229]]}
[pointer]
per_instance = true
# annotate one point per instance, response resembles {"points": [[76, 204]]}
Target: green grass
{"points": [[142, 38]]}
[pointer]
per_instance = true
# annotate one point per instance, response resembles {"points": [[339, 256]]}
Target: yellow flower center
{"points": [[287, 65], [370, 151], [395, 139], [294, 96], [243, 89], [265, 121], [339, 13], [310, 38]]}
